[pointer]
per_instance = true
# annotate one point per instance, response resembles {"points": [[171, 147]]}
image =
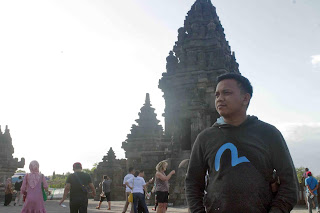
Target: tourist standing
{"points": [[240, 153], [8, 192], [162, 186], [17, 187], [138, 186], [303, 179], [77, 185], [105, 192], [140, 207], [128, 190], [31, 187], [312, 193]]}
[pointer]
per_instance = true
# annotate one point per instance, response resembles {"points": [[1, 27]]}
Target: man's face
{"points": [[230, 101], [141, 174]]}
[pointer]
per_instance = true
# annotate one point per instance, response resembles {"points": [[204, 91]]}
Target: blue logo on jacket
{"points": [[235, 160]]}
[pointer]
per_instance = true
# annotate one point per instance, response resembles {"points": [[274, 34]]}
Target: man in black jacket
{"points": [[19, 196], [239, 154], [77, 185]]}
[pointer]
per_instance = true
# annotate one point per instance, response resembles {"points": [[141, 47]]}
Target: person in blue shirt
{"points": [[312, 186]]}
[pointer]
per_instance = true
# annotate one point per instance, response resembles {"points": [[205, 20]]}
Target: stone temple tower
{"points": [[8, 164], [198, 57], [145, 145]]}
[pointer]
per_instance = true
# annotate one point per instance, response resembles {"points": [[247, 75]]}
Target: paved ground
{"points": [[53, 207]]}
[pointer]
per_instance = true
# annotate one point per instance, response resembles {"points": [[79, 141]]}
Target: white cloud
{"points": [[299, 132], [315, 61], [303, 142]]}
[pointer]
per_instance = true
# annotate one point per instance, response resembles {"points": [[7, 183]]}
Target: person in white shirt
{"points": [[137, 185], [128, 190]]}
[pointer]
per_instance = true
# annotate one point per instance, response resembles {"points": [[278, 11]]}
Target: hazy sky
{"points": [[74, 74]]}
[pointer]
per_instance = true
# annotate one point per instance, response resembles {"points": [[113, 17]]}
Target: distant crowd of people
{"points": [[30, 190], [136, 185]]}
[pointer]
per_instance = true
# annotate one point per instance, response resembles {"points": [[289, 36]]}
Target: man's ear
{"points": [[246, 99]]}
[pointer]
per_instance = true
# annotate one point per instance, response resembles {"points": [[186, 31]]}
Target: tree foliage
{"points": [[58, 181], [300, 172]]}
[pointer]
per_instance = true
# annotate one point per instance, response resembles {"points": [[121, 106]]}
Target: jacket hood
{"points": [[221, 123]]}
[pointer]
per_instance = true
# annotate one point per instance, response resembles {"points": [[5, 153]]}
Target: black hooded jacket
{"points": [[235, 165]]}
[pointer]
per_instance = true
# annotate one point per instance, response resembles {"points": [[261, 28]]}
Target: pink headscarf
{"points": [[34, 175]]}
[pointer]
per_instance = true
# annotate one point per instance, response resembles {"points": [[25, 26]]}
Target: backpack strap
{"points": [[82, 185]]}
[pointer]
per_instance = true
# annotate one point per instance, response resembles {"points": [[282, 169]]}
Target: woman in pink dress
{"points": [[32, 187]]}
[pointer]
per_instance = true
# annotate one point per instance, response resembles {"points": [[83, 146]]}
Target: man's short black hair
{"points": [[20, 177], [136, 173], [242, 81], [105, 177], [130, 169], [141, 171]]}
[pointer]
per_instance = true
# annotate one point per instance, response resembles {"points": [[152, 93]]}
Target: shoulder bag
{"points": [[44, 195]]}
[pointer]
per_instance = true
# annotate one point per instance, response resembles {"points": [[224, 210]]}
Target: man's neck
{"points": [[235, 121]]}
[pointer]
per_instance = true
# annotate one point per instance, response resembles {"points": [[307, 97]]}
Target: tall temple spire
{"points": [[201, 43], [110, 157], [200, 54], [147, 101], [7, 131], [147, 117], [7, 134], [144, 146]]}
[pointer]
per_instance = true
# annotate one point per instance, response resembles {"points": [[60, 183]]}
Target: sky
{"points": [[74, 73]]}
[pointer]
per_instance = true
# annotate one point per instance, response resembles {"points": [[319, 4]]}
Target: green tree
{"points": [[94, 167], [88, 171], [58, 181], [20, 171], [300, 172]]}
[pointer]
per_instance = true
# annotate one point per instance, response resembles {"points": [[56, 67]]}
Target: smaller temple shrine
{"points": [[115, 169], [8, 164], [146, 145]]}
